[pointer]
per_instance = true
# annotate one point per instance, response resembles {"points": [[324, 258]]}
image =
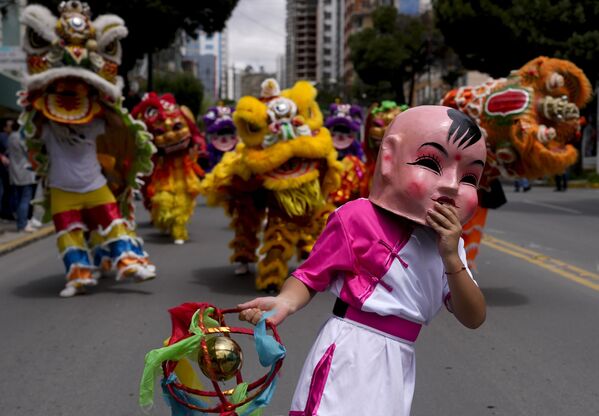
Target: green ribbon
{"points": [[174, 352]]}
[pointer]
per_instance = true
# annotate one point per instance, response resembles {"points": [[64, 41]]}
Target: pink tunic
{"points": [[375, 262]]}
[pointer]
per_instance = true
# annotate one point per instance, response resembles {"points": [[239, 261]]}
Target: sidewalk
{"points": [[11, 240]]}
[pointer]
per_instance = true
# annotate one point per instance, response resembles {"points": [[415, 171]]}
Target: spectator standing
{"points": [[523, 184], [22, 178], [5, 211], [561, 182]]}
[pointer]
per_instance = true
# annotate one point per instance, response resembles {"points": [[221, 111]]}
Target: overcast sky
{"points": [[256, 33]]}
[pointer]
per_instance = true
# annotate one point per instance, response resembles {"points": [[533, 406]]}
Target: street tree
{"points": [[154, 24], [501, 35], [187, 89], [396, 49]]}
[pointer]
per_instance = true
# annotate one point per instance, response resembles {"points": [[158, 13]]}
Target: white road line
{"points": [[556, 207]]}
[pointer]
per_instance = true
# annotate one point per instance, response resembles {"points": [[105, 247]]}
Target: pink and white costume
{"points": [[389, 278]]}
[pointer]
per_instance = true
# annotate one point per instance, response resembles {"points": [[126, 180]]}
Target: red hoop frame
{"points": [[225, 407]]}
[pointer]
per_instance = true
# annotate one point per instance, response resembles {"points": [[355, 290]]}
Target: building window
{"points": [[209, 47], [326, 51], [328, 15], [327, 39], [327, 27]]}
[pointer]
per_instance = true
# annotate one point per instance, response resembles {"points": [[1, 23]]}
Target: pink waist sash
{"points": [[389, 324]]}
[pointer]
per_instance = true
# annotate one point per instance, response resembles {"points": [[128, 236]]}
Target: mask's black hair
{"points": [[463, 128]]}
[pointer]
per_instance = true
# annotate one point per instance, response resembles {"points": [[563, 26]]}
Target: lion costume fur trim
{"points": [[261, 161], [576, 85]]}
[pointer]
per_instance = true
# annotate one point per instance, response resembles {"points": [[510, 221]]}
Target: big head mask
{"points": [[429, 154]]}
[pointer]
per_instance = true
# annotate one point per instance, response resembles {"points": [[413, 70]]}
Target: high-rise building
{"points": [[301, 40], [281, 71], [251, 81], [329, 44], [357, 15], [209, 52]]}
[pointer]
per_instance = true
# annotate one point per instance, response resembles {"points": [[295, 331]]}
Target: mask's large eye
{"points": [[35, 40], [470, 179], [151, 112], [429, 162]]}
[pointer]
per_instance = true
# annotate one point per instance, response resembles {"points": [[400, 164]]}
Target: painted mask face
{"points": [[224, 142], [429, 154], [343, 137], [165, 120]]}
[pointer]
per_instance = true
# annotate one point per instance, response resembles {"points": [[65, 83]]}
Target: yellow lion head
{"points": [[285, 145]]}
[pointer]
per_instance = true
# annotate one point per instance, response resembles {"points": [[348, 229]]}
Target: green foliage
{"points": [[593, 177], [366, 94], [327, 94], [153, 24], [500, 35], [186, 88], [396, 49]]}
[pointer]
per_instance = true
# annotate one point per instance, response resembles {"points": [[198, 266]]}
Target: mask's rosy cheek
{"points": [[416, 190], [470, 202]]}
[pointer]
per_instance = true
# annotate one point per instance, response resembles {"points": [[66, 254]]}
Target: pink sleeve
{"points": [[331, 254]]}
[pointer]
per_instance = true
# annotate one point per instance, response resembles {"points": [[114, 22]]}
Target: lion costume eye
{"points": [[151, 112], [112, 48], [35, 40], [77, 23], [555, 81]]}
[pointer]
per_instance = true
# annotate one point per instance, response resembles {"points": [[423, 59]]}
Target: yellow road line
{"points": [[569, 271]]}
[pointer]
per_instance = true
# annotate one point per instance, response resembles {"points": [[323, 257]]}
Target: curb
{"points": [[26, 239]]}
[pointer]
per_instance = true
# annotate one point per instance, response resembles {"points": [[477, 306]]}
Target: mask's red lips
{"points": [[445, 200]]}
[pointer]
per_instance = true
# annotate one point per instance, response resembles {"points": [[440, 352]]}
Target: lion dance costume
{"points": [[379, 117], [283, 170], [221, 134], [89, 151], [345, 124], [530, 120], [171, 191]]}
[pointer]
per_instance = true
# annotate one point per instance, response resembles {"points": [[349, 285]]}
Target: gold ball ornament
{"points": [[221, 359]]}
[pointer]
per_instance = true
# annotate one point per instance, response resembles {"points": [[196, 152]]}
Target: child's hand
{"points": [[445, 221], [252, 310]]}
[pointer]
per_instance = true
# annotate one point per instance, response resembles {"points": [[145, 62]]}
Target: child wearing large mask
{"points": [[393, 260]]}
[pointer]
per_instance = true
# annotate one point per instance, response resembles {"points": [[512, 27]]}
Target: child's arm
{"points": [[294, 296], [467, 301]]}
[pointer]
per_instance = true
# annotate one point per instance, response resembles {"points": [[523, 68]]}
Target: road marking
{"points": [[556, 207], [569, 271]]}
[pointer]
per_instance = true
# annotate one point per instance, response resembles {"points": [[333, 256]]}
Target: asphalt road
{"points": [[537, 353]]}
